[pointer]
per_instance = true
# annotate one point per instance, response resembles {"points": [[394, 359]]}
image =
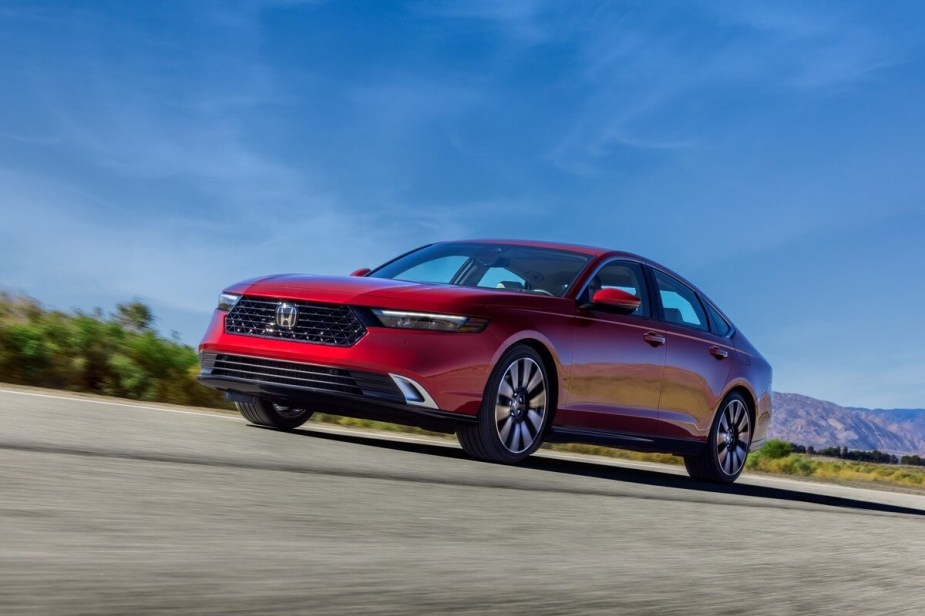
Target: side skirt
{"points": [[634, 442]]}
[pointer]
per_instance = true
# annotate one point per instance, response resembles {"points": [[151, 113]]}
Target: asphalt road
{"points": [[115, 508]]}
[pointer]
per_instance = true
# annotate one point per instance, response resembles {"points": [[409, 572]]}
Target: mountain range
{"points": [[808, 421]]}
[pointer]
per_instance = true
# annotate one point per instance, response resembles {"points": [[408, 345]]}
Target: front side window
{"points": [[679, 303], [544, 271], [624, 275]]}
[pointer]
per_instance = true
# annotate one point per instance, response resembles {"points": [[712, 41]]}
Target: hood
{"points": [[382, 293]]}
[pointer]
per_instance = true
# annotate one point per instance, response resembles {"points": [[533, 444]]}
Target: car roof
{"points": [[578, 248], [592, 251]]}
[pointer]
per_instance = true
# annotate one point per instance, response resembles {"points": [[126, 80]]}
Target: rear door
{"points": [[617, 362], [697, 363]]}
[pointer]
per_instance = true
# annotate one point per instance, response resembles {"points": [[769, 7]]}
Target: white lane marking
{"points": [[123, 404]]}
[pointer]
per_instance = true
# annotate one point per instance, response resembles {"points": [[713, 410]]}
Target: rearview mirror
{"points": [[361, 272], [615, 299]]}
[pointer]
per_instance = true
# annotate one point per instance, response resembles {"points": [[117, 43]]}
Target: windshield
{"points": [[528, 269]]}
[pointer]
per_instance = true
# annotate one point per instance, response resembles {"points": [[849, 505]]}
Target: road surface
{"points": [[111, 507]]}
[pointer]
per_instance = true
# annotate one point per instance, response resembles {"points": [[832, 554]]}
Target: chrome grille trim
{"points": [[330, 324]]}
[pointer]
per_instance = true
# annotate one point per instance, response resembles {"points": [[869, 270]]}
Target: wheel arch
{"points": [[751, 402], [552, 369], [550, 358]]}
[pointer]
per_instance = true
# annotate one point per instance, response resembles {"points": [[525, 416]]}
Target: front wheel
{"points": [[514, 411], [723, 457], [265, 413]]}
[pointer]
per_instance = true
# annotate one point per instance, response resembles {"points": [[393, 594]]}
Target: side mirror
{"points": [[361, 272], [615, 299]]}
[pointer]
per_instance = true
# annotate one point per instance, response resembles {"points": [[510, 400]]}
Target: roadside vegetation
{"points": [[122, 354], [117, 354], [779, 458]]}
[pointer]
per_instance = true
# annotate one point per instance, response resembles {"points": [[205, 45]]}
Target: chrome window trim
{"points": [[703, 301]]}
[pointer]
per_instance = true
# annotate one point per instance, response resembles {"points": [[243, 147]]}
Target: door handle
{"points": [[654, 338], [718, 352]]}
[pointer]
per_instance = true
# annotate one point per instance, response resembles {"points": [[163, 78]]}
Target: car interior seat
{"points": [[510, 284], [673, 315]]}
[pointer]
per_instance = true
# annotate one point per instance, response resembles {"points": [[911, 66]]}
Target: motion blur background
{"points": [[770, 152]]}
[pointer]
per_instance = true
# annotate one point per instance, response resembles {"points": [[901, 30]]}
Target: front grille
{"points": [[331, 324], [302, 376]]}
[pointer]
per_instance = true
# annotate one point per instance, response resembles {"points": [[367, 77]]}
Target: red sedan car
{"points": [[507, 344]]}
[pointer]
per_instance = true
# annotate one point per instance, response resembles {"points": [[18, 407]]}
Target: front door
{"points": [[617, 363]]}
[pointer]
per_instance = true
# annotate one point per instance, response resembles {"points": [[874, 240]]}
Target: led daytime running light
{"points": [[403, 319]]}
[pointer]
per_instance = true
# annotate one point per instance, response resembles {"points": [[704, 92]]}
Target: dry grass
{"points": [[801, 465]]}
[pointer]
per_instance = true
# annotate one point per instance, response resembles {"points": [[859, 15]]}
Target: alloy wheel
{"points": [[520, 407], [733, 437]]}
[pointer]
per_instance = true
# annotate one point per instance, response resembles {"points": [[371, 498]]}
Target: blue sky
{"points": [[771, 152]]}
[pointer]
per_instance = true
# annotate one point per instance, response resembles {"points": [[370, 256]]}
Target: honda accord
{"points": [[507, 344]]}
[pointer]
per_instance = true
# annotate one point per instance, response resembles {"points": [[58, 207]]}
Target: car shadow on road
{"points": [[622, 474]]}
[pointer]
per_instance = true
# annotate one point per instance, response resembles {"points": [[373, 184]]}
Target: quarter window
{"points": [[718, 324], [680, 303]]}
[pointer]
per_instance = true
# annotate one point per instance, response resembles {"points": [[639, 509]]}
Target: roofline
{"points": [[592, 251]]}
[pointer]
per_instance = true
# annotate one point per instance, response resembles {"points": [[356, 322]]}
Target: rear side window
{"points": [[679, 303], [718, 324]]}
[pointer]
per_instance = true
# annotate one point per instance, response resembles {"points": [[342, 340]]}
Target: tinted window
{"points": [[679, 303], [623, 275], [497, 266], [718, 324], [439, 270], [502, 278]]}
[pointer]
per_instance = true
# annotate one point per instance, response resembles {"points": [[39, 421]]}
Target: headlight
{"points": [[402, 319], [226, 301]]}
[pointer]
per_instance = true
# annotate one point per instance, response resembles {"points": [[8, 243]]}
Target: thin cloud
{"points": [[635, 73]]}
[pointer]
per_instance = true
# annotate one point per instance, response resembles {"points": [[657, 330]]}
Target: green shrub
{"points": [[119, 355], [776, 448]]}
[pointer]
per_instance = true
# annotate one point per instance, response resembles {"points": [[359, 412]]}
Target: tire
{"points": [[266, 413], [724, 455], [515, 409]]}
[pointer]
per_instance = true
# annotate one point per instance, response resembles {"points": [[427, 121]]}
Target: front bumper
{"points": [[326, 389], [433, 374]]}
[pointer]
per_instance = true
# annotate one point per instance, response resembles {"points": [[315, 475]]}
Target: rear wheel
{"points": [[514, 411], [723, 458], [265, 413]]}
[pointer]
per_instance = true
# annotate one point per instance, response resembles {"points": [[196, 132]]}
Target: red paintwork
{"points": [[608, 376], [617, 299]]}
